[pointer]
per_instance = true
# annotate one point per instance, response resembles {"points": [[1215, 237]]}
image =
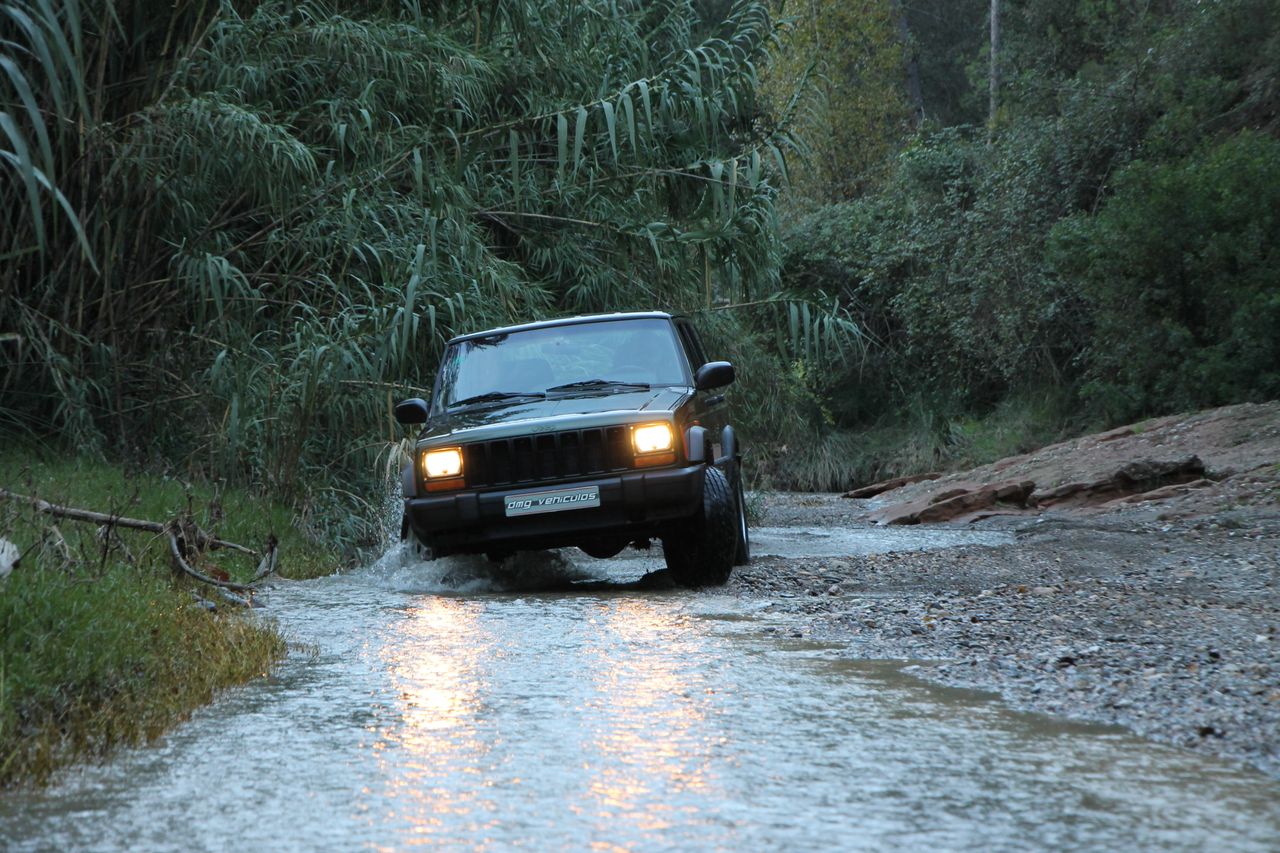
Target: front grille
{"points": [[552, 456]]}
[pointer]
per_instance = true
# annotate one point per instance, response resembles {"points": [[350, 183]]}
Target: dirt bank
{"points": [[1159, 615]]}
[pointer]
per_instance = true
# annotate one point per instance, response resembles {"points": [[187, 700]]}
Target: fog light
{"points": [[438, 464], [652, 438]]}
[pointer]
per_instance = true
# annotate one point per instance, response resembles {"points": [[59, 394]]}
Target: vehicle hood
{"points": [[554, 413]]}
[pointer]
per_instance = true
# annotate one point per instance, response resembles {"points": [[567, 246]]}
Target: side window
{"points": [[692, 346]]}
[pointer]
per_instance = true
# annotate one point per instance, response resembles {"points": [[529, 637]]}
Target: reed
{"points": [[236, 229]]}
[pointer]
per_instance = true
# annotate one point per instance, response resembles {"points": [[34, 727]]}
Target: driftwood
{"points": [[889, 485], [185, 538]]}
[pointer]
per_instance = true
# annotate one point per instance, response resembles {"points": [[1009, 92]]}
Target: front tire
{"points": [[702, 553]]}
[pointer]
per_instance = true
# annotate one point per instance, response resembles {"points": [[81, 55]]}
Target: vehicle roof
{"points": [[567, 321]]}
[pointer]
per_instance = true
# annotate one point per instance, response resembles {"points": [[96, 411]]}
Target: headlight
{"points": [[438, 464], [652, 438]]}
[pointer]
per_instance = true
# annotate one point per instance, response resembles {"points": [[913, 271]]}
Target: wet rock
{"points": [[957, 501], [1136, 481]]}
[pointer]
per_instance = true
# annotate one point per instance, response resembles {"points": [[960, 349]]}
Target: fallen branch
{"points": [[185, 538], [180, 562], [202, 540], [270, 560]]}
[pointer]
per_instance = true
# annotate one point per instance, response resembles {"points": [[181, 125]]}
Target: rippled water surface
{"points": [[435, 710]]}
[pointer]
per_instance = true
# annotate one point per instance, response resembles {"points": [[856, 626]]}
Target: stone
{"points": [[961, 500]]}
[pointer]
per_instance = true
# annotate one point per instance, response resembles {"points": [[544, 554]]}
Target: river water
{"points": [[435, 705]]}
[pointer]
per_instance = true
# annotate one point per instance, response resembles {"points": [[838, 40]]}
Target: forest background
{"points": [[232, 234]]}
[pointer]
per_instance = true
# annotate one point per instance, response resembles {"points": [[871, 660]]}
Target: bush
{"points": [[944, 269], [1181, 269]]}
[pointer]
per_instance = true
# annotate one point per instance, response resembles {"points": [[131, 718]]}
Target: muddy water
{"points": [[441, 707]]}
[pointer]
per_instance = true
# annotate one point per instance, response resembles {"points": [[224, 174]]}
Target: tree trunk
{"points": [[911, 62], [995, 66]]}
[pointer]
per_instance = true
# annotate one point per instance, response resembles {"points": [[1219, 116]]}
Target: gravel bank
{"points": [[1171, 629]]}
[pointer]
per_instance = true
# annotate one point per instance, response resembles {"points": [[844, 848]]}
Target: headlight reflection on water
{"points": [[599, 714], [436, 661], [648, 736]]}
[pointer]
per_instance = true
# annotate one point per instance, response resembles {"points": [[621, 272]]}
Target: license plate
{"points": [[532, 503]]}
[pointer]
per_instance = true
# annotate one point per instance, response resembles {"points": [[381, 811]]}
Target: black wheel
{"points": [[742, 552], [702, 553]]}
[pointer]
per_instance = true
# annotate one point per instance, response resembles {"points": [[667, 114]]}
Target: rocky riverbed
{"points": [[1170, 628]]}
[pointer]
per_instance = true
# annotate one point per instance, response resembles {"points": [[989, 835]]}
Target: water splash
{"points": [[391, 507], [403, 569]]}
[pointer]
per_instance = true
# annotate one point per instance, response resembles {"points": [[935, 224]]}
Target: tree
{"points": [[994, 74], [855, 114]]}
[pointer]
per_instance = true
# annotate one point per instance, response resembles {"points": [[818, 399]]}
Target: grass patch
{"points": [[232, 514], [1018, 425], [917, 443], [101, 645]]}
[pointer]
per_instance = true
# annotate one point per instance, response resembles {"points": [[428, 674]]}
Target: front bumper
{"points": [[633, 504]]}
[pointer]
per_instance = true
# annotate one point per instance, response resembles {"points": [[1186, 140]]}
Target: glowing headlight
{"points": [[652, 438], [442, 463]]}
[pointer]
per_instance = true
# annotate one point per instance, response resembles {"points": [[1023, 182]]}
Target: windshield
{"points": [[585, 357]]}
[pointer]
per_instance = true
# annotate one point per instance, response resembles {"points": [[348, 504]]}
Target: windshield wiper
{"points": [[495, 396], [593, 384]]}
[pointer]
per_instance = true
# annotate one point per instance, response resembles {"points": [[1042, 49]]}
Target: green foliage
{"points": [[948, 38], [1182, 271], [852, 116], [277, 211], [943, 269], [235, 233], [1108, 247]]}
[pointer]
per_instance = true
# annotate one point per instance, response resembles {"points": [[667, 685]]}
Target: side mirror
{"points": [[713, 374], [412, 411]]}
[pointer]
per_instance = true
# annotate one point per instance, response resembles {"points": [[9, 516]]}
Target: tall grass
{"points": [[95, 658], [921, 441], [99, 644]]}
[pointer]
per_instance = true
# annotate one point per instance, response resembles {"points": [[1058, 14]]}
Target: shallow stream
{"points": [[436, 705]]}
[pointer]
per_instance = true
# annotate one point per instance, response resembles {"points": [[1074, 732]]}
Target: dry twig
{"points": [[179, 561], [202, 540]]}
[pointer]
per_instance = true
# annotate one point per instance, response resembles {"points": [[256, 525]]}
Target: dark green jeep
{"points": [[595, 432]]}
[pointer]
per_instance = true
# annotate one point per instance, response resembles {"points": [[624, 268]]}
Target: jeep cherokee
{"points": [[595, 432]]}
